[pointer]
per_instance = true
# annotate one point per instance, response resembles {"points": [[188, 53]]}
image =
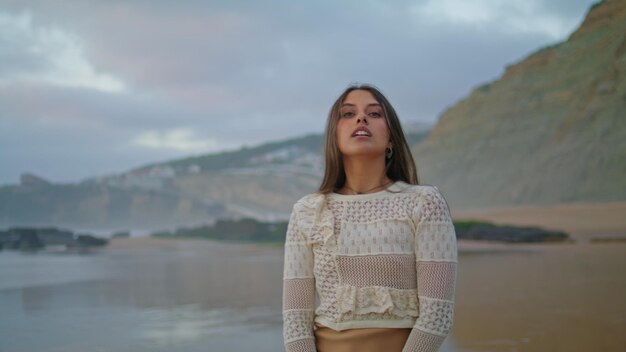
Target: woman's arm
{"points": [[298, 290], [436, 261]]}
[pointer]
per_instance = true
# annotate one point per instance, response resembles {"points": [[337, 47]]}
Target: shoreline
{"points": [[464, 246], [147, 242]]}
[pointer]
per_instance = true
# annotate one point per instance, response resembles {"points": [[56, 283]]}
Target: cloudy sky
{"points": [[97, 87]]}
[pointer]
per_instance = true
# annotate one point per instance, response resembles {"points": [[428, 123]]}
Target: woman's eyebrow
{"points": [[368, 105]]}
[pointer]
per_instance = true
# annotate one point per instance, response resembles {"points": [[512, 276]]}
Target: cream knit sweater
{"points": [[380, 260]]}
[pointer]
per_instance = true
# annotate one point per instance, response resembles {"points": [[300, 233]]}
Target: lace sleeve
{"points": [[298, 290], [436, 261]]}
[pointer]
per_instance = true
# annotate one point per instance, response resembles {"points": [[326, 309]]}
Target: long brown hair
{"points": [[401, 166]]}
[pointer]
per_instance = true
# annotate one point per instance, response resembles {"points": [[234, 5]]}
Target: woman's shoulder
{"points": [[420, 189], [309, 204], [308, 210], [422, 194], [309, 200], [432, 200]]}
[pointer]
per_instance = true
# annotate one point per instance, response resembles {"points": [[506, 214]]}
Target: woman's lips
{"points": [[362, 129]]}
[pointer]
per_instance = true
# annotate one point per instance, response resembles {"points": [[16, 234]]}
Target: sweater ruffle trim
{"points": [[317, 220], [377, 299]]}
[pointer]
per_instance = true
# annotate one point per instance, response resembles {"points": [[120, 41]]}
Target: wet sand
{"points": [[553, 297], [214, 273], [510, 297]]}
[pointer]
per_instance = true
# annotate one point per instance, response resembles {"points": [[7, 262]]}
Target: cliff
{"points": [[551, 129]]}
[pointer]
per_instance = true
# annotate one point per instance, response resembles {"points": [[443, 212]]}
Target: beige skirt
{"points": [[360, 340]]}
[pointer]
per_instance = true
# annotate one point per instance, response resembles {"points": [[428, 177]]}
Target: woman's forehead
{"points": [[359, 96]]}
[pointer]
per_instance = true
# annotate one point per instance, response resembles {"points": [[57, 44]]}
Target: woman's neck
{"points": [[364, 176]]}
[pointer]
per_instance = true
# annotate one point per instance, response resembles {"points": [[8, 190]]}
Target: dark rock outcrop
{"points": [[510, 234], [32, 238], [90, 241]]}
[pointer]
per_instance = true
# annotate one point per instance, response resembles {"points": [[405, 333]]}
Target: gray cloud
{"points": [[125, 77]]}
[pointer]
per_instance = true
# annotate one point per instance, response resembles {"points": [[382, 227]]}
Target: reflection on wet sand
{"points": [[143, 295], [209, 274], [510, 297], [550, 297]]}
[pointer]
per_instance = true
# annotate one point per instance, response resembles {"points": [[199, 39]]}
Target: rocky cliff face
{"points": [[552, 129]]}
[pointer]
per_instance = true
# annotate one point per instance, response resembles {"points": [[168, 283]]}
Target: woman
{"points": [[377, 248]]}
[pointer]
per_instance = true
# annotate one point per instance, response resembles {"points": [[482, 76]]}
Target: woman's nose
{"points": [[362, 118]]}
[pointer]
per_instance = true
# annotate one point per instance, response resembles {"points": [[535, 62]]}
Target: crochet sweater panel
{"points": [[381, 260]]}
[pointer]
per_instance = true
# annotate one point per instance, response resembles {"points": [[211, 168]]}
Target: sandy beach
{"points": [[582, 221], [544, 297]]}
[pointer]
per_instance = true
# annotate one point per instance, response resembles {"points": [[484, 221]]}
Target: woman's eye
{"points": [[376, 114], [348, 114]]}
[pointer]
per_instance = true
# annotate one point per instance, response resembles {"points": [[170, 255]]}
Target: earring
{"points": [[388, 152]]}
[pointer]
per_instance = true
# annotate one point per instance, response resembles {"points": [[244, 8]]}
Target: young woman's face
{"points": [[362, 128]]}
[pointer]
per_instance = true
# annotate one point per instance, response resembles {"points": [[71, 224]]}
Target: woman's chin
{"points": [[364, 154]]}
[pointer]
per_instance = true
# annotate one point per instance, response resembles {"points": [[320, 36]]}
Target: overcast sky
{"points": [[98, 87]]}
